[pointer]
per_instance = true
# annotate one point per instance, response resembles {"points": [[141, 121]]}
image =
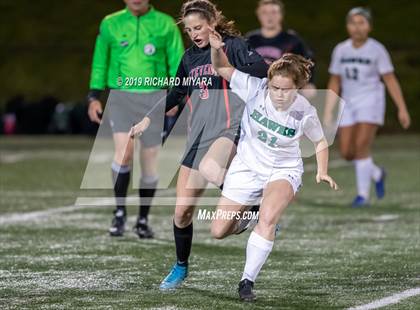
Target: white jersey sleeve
{"points": [[384, 61], [312, 127], [244, 85], [335, 61]]}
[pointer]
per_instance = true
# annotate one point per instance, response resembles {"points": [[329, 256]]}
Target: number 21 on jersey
{"points": [[263, 136]]}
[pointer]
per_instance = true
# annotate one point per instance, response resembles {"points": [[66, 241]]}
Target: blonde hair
{"points": [[208, 11], [296, 67]]}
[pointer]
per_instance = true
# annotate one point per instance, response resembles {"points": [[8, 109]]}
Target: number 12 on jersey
{"points": [[352, 73]]}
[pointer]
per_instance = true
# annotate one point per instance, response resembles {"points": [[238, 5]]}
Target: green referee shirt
{"points": [[130, 49]]}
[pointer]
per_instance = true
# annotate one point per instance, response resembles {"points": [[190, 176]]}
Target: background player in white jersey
{"points": [[356, 69], [268, 164]]}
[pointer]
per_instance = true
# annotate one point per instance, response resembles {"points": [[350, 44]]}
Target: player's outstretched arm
{"points": [[394, 90], [218, 57], [321, 148]]}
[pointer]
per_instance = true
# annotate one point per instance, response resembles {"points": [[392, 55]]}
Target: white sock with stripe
{"points": [[257, 251]]}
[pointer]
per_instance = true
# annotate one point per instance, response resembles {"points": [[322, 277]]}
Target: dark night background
{"points": [[46, 46]]}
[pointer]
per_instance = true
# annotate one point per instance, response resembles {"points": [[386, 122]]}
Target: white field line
{"points": [[28, 216], [16, 157], [96, 202], [166, 197], [393, 299]]}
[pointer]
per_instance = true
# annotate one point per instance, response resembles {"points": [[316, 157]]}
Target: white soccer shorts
{"points": [[245, 186], [373, 113]]}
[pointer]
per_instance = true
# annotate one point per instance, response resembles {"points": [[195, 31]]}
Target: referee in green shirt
{"points": [[133, 46]]}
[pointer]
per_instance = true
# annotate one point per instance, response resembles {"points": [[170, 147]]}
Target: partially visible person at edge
{"points": [[137, 42], [357, 67], [272, 40]]}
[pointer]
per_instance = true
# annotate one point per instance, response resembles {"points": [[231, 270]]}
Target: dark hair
{"points": [[296, 67], [208, 11], [279, 3]]}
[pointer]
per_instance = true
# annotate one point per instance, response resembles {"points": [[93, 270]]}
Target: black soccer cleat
{"points": [[245, 291], [248, 223], [118, 224], [143, 230]]}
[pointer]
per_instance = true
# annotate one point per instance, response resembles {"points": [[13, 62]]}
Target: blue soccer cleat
{"points": [[359, 202], [175, 278], [380, 185]]}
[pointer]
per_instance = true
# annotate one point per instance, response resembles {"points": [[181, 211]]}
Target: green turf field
{"points": [[328, 256]]}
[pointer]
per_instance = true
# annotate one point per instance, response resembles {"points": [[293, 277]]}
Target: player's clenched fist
{"points": [[139, 128]]}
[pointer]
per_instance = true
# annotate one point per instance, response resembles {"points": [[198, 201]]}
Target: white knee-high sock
{"points": [[257, 251], [363, 176], [376, 171]]}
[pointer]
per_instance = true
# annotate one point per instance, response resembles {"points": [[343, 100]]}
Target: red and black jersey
{"points": [[214, 109]]}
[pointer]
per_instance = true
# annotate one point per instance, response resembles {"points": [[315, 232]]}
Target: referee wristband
{"points": [[94, 94]]}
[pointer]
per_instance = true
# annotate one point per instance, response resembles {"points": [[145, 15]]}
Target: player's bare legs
{"points": [[346, 142], [364, 135], [276, 197], [190, 185], [214, 165], [222, 227]]}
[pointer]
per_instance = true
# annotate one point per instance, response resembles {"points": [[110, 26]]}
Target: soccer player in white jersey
{"points": [[268, 165], [357, 66]]}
